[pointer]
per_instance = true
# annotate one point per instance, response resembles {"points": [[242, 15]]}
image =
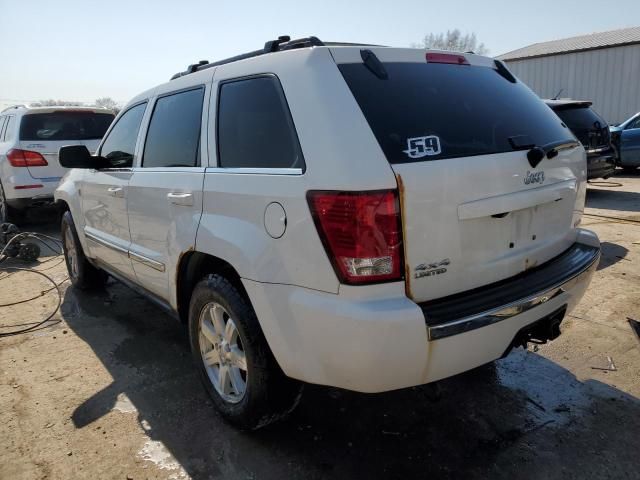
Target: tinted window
{"points": [[462, 110], [65, 126], [119, 146], [587, 125], [173, 138], [9, 128], [582, 117], [255, 129]]}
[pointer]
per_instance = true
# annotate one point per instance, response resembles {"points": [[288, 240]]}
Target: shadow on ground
{"points": [[612, 253], [612, 197], [523, 416]]}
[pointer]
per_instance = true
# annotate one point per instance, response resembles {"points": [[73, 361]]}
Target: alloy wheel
{"points": [[222, 352], [71, 252]]}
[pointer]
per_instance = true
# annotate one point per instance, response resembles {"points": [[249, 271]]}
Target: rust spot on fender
{"points": [[407, 269], [529, 264]]}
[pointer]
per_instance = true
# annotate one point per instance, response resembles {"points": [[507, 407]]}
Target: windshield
{"points": [[430, 111], [65, 126]]}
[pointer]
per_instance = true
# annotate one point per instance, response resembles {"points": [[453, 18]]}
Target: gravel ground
{"points": [[107, 390]]}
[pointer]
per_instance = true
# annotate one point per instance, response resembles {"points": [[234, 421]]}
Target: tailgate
{"points": [[457, 131], [49, 150]]}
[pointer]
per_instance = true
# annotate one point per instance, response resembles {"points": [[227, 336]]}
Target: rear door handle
{"points": [[185, 199], [116, 192]]}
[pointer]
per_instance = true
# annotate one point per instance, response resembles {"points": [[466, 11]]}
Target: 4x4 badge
{"points": [[418, 147], [430, 269]]}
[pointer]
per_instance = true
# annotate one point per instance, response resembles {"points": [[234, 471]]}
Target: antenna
{"points": [[558, 94]]}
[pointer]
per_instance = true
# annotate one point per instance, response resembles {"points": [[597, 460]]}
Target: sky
{"points": [[82, 50]]}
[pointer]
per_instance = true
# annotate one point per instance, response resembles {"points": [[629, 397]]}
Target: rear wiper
{"points": [[537, 153], [373, 64]]}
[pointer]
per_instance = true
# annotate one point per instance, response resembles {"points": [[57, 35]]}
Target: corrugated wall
{"points": [[609, 77]]}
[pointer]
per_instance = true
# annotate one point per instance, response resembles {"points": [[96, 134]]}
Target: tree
{"points": [[453, 40], [55, 103], [108, 102]]}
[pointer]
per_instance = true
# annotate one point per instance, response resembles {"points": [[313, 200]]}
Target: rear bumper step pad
{"points": [[499, 301]]}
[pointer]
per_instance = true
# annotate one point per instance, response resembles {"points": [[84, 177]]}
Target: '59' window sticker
{"points": [[418, 147]]}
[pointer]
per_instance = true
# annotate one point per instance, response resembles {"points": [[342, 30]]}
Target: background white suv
{"points": [[364, 217], [29, 142]]}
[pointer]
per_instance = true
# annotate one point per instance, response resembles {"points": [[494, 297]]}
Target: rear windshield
{"points": [[582, 118], [429, 111], [65, 126], [586, 124]]}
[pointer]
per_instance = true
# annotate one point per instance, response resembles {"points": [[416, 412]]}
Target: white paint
{"points": [[124, 405], [156, 453]]}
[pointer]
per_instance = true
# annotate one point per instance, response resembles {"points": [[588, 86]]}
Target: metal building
{"points": [[601, 67]]}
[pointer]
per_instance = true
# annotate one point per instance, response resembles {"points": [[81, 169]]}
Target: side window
{"points": [[255, 129], [2, 122], [9, 128], [633, 124], [120, 144], [173, 138]]}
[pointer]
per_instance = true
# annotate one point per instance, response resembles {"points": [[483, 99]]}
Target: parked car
{"points": [[29, 142], [626, 139], [592, 131], [363, 217]]}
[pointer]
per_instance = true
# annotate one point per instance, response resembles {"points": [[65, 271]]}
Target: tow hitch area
{"points": [[542, 331]]}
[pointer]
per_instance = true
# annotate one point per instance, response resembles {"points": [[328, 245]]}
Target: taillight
{"points": [[25, 158], [361, 232], [447, 58]]}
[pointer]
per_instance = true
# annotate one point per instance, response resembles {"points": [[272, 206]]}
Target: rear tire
{"points": [[7, 213], [236, 366], [82, 274]]}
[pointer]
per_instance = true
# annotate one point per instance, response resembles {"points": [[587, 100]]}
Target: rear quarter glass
{"points": [[438, 111]]}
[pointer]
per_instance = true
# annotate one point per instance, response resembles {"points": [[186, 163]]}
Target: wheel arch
{"points": [[193, 266]]}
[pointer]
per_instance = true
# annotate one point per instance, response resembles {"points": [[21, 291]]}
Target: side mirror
{"points": [[77, 156]]}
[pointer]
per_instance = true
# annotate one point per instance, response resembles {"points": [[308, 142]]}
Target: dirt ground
{"points": [[107, 390]]}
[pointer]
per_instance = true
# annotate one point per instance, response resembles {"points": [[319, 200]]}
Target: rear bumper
{"points": [[601, 164], [36, 201], [373, 339], [500, 301]]}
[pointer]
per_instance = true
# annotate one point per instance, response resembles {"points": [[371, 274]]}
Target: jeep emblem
{"points": [[533, 177]]}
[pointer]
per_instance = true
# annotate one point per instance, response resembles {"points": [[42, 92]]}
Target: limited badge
{"points": [[418, 147]]}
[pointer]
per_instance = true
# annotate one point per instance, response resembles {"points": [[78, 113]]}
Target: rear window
{"points": [[65, 126], [435, 111], [586, 124], [581, 117]]}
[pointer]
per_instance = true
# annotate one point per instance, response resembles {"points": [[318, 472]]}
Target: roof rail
{"points": [[13, 107], [283, 42]]}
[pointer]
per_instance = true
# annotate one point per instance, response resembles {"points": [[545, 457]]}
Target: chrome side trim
{"points": [[159, 266], [105, 243], [254, 171], [462, 325]]}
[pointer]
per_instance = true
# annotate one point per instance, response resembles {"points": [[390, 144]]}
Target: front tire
{"points": [[235, 363], [82, 274]]}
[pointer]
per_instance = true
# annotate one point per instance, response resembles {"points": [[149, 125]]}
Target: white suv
{"points": [[364, 217], [29, 142]]}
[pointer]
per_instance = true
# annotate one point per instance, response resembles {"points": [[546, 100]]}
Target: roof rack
{"points": [[12, 107], [283, 42]]}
